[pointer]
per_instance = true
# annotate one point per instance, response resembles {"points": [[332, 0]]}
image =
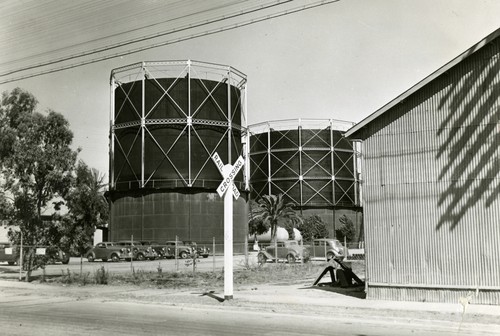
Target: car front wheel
{"points": [[114, 258], [90, 258], [183, 255], [290, 258], [140, 257]]}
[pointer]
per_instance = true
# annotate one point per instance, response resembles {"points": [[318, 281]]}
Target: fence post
{"points": [[324, 244], [246, 249], [276, 249], [345, 248], [213, 255], [176, 255], [302, 251], [21, 259], [132, 255]]}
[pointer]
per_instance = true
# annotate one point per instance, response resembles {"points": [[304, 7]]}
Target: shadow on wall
{"points": [[469, 136]]}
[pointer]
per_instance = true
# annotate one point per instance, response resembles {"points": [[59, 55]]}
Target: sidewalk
{"points": [[287, 298]]}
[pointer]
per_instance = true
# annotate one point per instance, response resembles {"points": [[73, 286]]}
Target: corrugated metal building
{"points": [[431, 184]]}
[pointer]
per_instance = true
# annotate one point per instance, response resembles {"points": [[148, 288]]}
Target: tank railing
{"points": [[177, 183], [174, 69], [289, 124], [176, 121]]}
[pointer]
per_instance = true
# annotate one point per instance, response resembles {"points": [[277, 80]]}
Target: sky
{"points": [[342, 60]]}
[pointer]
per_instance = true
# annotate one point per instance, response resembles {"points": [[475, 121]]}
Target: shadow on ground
{"points": [[353, 291]]}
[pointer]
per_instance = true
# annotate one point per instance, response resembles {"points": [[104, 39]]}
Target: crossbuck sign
{"points": [[228, 173]]}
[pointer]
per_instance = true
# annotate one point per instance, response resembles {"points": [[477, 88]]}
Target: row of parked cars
{"points": [[292, 251], [145, 250]]}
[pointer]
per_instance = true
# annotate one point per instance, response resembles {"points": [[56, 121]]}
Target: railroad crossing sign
{"points": [[228, 172]]}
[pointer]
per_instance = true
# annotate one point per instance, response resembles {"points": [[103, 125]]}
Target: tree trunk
{"points": [[30, 260]]}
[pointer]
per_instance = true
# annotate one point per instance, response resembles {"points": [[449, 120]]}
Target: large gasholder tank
{"points": [[167, 120], [311, 163]]}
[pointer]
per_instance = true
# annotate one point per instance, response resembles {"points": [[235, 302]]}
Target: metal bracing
{"points": [[310, 167], [187, 125]]}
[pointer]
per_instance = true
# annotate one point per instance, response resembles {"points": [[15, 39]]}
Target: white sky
{"points": [[343, 60]]}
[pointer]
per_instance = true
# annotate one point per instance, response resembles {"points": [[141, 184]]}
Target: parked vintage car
{"points": [[108, 251], [162, 251], [183, 250], [289, 250], [327, 248], [8, 253], [202, 251], [55, 255], [139, 251]]}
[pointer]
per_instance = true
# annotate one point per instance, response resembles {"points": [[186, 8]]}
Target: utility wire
{"points": [[161, 44], [144, 38]]}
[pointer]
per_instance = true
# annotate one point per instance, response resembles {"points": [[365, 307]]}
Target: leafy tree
{"points": [[346, 230], [37, 162], [256, 226], [87, 207], [313, 227], [271, 209]]}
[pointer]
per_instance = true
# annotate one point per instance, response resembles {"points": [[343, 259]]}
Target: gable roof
{"points": [[353, 131]]}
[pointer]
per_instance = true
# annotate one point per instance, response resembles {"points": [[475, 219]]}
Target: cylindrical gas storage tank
{"points": [[167, 121], [311, 163]]}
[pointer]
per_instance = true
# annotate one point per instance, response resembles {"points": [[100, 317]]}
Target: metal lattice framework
{"points": [[308, 161], [168, 118]]}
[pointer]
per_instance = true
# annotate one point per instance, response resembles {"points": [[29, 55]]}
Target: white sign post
{"points": [[228, 190]]}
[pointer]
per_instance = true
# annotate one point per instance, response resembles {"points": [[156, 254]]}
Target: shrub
{"points": [[313, 227], [101, 276], [346, 230]]}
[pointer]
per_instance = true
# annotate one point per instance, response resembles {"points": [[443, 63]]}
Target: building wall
{"points": [[430, 186]]}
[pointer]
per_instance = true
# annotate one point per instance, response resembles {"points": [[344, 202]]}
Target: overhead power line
{"points": [[139, 39], [160, 44]]}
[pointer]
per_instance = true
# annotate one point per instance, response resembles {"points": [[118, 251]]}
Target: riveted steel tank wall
{"points": [[312, 167], [167, 120], [312, 164]]}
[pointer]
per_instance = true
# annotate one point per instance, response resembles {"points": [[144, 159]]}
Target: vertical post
{"points": [[301, 176], [213, 255], [246, 248], [112, 133], [21, 258], [132, 255], [189, 125], [269, 173], [326, 257], [143, 124], [176, 252], [276, 245], [228, 243], [229, 119], [346, 250], [302, 250]]}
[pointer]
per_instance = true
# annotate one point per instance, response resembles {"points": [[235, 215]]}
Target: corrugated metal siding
{"points": [[431, 185]]}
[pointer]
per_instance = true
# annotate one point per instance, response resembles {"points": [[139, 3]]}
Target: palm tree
{"points": [[272, 208]]}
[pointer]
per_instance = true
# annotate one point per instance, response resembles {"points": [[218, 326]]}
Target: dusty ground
{"points": [[284, 296]]}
